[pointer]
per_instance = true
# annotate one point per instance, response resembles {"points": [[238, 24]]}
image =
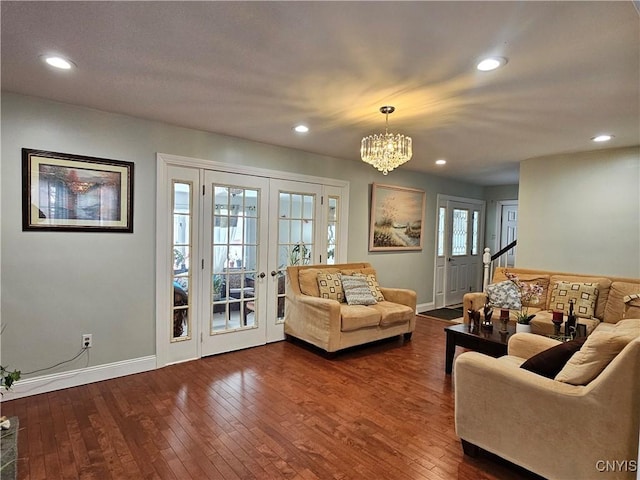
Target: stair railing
{"points": [[490, 262]]}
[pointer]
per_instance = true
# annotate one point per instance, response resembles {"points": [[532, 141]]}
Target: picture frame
{"points": [[76, 193], [396, 218]]}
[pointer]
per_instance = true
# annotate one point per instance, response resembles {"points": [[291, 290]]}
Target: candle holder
{"points": [[557, 320], [504, 319]]}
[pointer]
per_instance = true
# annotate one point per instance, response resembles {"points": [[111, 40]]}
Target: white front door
{"points": [[461, 253], [236, 242]]}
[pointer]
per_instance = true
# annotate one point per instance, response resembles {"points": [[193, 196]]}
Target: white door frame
{"points": [[164, 355], [440, 275]]}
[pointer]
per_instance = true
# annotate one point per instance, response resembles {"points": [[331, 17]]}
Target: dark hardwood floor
{"points": [[279, 411]]}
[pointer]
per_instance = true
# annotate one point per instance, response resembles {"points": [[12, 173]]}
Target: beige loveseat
{"points": [[559, 430], [332, 325], [609, 307]]}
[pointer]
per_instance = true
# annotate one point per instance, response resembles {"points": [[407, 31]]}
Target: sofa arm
{"points": [[315, 320], [472, 301], [526, 345], [400, 295]]}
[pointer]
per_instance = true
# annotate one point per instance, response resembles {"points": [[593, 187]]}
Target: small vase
{"points": [[523, 328]]}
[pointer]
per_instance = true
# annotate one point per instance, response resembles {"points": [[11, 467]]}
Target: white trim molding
{"points": [[82, 376]]}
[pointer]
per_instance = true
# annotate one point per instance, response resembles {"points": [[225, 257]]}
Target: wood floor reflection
{"points": [[384, 411]]}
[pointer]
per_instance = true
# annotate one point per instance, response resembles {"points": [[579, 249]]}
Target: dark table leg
{"points": [[451, 350]]}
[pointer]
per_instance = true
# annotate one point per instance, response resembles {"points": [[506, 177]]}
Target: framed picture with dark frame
{"points": [[397, 215], [74, 193]]}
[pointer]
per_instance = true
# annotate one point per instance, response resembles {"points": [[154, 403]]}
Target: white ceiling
{"points": [[255, 69]]}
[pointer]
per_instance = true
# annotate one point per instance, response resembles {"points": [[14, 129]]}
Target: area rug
{"points": [[452, 314]]}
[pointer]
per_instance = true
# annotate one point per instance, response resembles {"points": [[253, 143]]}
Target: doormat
{"points": [[444, 313]]}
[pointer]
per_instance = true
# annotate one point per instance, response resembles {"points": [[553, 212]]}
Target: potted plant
{"points": [[218, 283], [529, 293]]}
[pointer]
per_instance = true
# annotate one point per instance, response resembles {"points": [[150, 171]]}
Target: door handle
{"points": [[273, 273], [449, 259], [262, 275]]}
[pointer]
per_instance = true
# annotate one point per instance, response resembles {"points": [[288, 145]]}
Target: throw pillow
{"points": [[330, 285], [504, 295], [548, 363], [583, 294], [597, 352], [632, 305], [357, 290], [373, 285]]}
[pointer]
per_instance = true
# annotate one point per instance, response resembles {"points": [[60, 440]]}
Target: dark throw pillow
{"points": [[549, 362]]}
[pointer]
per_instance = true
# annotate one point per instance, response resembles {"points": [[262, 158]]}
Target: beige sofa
{"points": [[557, 430], [609, 309], [332, 325]]}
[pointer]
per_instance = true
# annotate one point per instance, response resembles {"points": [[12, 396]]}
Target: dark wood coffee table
{"points": [[490, 342]]}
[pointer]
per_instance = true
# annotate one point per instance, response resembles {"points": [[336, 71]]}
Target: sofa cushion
{"points": [[615, 308], [533, 278], [541, 324], [504, 295], [597, 352], [356, 290], [355, 317], [308, 280], [330, 286], [393, 313], [582, 293], [604, 284], [362, 271], [548, 363]]}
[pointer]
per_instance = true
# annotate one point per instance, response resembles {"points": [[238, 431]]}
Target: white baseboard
{"points": [[424, 307], [82, 376]]}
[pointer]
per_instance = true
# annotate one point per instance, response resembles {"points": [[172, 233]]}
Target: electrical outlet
{"points": [[87, 340]]}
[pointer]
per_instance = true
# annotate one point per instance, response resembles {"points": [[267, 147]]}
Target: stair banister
{"points": [[486, 260]]}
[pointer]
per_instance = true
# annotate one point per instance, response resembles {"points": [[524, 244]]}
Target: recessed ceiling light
{"points": [[301, 128], [441, 162], [58, 62], [602, 138], [491, 63]]}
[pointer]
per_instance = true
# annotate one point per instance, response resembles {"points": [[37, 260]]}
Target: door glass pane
{"points": [[332, 229], [295, 238], [442, 211], [181, 269], [460, 232], [474, 232], [234, 258]]}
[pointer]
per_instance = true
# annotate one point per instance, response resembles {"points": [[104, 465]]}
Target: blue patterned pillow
{"points": [[504, 295], [357, 290]]}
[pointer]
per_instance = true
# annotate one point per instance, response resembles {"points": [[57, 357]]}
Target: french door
{"points": [[234, 260], [222, 269]]}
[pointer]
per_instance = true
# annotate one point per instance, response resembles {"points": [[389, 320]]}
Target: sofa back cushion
{"points": [[536, 278], [308, 280], [615, 308]]}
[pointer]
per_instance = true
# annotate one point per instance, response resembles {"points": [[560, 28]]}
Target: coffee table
{"points": [[490, 342]]}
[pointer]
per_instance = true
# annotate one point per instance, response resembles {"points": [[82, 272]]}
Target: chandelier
{"points": [[386, 151]]}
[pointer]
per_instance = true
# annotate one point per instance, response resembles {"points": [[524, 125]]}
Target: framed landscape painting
{"points": [[67, 192], [397, 215]]}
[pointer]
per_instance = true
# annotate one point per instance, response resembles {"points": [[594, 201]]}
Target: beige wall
{"points": [[581, 212]]}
